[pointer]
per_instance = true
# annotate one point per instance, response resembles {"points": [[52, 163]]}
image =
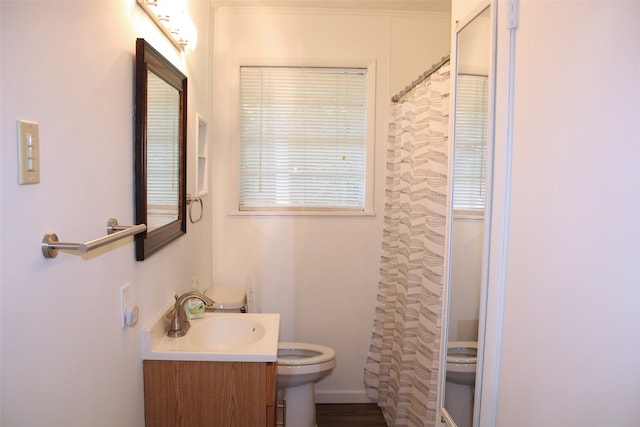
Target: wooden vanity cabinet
{"points": [[211, 394]]}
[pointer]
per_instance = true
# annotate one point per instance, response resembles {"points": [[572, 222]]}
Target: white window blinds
{"points": [[163, 128], [302, 138], [469, 166]]}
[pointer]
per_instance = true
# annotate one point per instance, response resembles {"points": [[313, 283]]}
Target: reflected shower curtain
{"points": [[401, 371]]}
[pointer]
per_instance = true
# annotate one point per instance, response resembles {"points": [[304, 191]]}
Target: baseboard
{"points": [[355, 396]]}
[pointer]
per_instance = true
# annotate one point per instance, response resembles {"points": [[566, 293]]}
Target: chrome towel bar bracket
{"points": [[51, 245]]}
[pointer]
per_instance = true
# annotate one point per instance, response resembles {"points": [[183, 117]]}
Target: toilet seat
{"points": [[462, 352], [298, 353]]}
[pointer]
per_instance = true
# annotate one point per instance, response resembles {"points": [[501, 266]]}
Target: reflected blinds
{"points": [[163, 127], [469, 166]]}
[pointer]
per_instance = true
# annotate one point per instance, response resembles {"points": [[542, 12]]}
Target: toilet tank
{"points": [[227, 299]]}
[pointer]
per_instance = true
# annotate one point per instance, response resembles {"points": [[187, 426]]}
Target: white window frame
{"points": [[370, 66]]}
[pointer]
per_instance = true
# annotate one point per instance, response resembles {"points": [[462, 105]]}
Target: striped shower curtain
{"points": [[401, 371]]}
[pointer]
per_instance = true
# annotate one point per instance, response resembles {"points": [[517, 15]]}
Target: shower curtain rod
{"points": [[420, 79]]}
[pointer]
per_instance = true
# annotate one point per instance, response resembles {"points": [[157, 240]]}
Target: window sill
{"points": [[468, 215], [309, 214]]}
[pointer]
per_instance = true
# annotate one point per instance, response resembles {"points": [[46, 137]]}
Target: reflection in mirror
{"points": [[470, 165], [163, 129], [160, 151]]}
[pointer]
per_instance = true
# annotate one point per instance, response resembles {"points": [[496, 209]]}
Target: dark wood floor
{"points": [[349, 415]]}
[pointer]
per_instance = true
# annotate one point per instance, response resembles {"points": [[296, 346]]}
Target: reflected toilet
{"points": [[461, 362], [460, 381]]}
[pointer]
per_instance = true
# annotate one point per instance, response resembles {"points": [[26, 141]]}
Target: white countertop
{"points": [[218, 337]]}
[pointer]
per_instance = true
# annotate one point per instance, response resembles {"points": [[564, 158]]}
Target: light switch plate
{"points": [[28, 152]]}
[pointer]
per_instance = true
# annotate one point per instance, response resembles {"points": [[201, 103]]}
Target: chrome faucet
{"points": [[179, 322]]}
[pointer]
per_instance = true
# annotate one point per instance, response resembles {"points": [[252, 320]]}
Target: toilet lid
{"points": [[227, 297]]}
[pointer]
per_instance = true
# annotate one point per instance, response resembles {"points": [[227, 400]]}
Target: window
{"points": [[303, 139], [470, 161]]}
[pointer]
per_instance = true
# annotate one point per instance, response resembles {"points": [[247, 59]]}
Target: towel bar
{"points": [[51, 245], [190, 202]]}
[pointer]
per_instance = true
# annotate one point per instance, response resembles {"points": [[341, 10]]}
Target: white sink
{"points": [[222, 333], [218, 337]]}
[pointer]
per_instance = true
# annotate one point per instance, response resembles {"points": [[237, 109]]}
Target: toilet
{"points": [[461, 362], [460, 381], [300, 365]]}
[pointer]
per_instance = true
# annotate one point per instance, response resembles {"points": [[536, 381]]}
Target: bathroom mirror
{"points": [[160, 150], [471, 166]]}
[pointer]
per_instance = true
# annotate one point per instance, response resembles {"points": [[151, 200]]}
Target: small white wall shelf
{"points": [[202, 161]]}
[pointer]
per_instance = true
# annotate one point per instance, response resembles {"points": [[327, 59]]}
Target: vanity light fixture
{"points": [[172, 18]]}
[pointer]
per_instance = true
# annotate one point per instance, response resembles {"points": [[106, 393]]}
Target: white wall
{"points": [[571, 316], [465, 279], [321, 274], [69, 66]]}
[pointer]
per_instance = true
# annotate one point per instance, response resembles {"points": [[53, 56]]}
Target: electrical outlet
{"points": [[125, 303]]}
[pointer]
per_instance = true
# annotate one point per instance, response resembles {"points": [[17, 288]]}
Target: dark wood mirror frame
{"points": [[149, 59]]}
